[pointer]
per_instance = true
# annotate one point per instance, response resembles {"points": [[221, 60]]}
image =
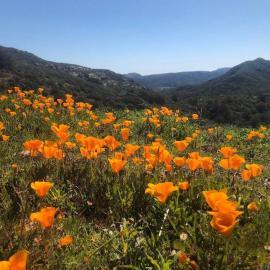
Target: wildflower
{"points": [[127, 123], [227, 151], [61, 132], [181, 145], [195, 116], [184, 119], [16, 262], [233, 162], [41, 188], [66, 240], [223, 222], [184, 259], [253, 207], [179, 161], [2, 126], [188, 139], [210, 130], [137, 160], [252, 170], [207, 164], [183, 236], [183, 185], [193, 164], [212, 197], [33, 146], [130, 149], [253, 134], [224, 212], [52, 151], [229, 137], [117, 164], [111, 142], [70, 145], [160, 191], [5, 138], [45, 216], [14, 166]]}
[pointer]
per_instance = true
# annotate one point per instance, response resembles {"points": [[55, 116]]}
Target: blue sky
{"points": [[145, 36]]}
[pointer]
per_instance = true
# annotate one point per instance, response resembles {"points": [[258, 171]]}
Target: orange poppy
{"points": [[183, 185], [179, 161], [252, 171], [193, 164], [253, 207], [233, 162], [2, 126], [41, 188], [61, 132], [130, 149], [184, 259], [227, 151], [66, 240], [117, 164], [212, 197], [125, 134], [246, 175], [137, 160], [160, 191], [195, 116], [111, 142], [16, 262], [223, 222], [45, 216], [181, 145], [70, 145], [5, 138], [207, 164], [33, 146]]}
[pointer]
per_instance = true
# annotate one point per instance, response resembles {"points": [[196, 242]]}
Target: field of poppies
{"points": [[84, 188]]}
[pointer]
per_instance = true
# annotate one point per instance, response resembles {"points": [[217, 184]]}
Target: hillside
{"points": [[153, 189], [19, 68], [172, 80], [242, 95]]}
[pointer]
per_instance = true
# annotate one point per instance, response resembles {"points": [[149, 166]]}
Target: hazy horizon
{"points": [[146, 37]]}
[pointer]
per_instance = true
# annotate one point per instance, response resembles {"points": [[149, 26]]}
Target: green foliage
{"points": [[115, 225]]}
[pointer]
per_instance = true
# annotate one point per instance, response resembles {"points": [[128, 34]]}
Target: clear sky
{"points": [[145, 36]]}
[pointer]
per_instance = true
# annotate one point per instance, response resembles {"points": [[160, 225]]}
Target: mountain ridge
{"points": [[240, 96], [175, 79], [100, 86]]}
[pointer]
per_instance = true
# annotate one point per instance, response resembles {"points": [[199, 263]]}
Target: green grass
{"points": [[115, 225]]}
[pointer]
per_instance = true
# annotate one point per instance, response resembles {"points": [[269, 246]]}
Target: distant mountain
{"points": [[173, 80], [248, 78], [240, 95], [20, 68]]}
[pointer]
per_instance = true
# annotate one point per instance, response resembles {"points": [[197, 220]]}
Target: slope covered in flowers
{"points": [[154, 189]]}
